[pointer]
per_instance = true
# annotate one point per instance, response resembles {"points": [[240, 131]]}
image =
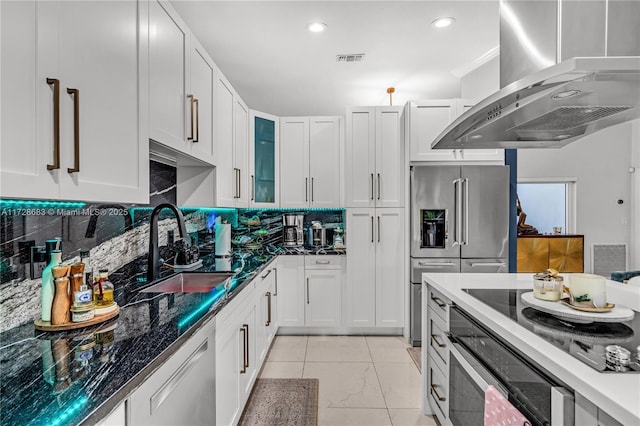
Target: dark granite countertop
{"points": [[79, 376]]}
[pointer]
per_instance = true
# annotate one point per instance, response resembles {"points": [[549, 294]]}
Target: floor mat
{"points": [[282, 402], [415, 354]]}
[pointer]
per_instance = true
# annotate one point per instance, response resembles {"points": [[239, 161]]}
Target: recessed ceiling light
{"points": [[443, 22], [316, 27]]}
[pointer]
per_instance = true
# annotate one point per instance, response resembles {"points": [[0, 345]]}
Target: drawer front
{"points": [[438, 303], [438, 344], [438, 392], [323, 262]]}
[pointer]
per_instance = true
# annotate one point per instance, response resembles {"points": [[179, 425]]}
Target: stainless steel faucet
{"points": [[153, 265]]}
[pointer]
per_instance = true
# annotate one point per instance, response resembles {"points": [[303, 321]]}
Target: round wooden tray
{"points": [[617, 314], [46, 325]]}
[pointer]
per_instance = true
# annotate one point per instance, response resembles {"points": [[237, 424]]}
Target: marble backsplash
{"points": [[115, 235]]}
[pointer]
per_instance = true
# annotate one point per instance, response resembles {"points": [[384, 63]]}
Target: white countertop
{"points": [[617, 394]]}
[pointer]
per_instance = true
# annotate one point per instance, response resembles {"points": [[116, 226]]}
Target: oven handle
{"points": [[480, 375]]}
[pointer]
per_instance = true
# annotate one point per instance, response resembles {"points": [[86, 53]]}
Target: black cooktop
{"points": [[586, 342]]}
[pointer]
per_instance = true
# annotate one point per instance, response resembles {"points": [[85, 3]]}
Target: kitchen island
{"points": [[600, 397]]}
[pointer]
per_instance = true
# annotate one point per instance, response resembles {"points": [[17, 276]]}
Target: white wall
{"points": [[481, 81], [600, 163]]}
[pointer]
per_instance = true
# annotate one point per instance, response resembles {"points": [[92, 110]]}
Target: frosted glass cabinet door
{"points": [[264, 190]]}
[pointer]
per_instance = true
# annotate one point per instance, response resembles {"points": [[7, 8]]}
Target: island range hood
{"points": [[568, 69]]}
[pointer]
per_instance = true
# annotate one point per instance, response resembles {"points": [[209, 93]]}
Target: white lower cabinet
{"points": [[310, 291], [375, 267], [267, 311], [182, 390]]}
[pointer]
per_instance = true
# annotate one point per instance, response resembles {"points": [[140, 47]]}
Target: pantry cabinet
{"points": [[181, 82], [68, 116], [264, 160], [375, 267], [180, 391], [310, 153], [232, 146], [375, 157], [429, 118]]}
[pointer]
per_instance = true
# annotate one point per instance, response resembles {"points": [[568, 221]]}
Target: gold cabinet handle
{"points": [[239, 183], [434, 337], [191, 98], [197, 137], [247, 353], [56, 123], [76, 130], [275, 277], [434, 392], [244, 349], [268, 295], [236, 173]]}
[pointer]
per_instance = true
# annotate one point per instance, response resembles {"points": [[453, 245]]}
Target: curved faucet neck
{"points": [[153, 266]]}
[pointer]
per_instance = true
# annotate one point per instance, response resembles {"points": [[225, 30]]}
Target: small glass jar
{"points": [[103, 289], [548, 288]]}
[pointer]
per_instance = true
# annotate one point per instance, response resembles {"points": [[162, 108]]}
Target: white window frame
{"points": [[571, 183]]}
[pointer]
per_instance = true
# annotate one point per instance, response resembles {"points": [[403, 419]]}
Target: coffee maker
{"points": [[293, 235]]}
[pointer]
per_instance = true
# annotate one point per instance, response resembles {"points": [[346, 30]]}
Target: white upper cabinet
{"points": [[429, 118], [200, 102], [375, 157], [264, 160], [68, 116], [310, 155], [241, 152]]}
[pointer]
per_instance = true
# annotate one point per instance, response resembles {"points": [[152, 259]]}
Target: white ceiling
{"points": [[278, 66]]}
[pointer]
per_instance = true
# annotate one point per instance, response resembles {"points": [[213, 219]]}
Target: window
{"points": [[548, 203]]}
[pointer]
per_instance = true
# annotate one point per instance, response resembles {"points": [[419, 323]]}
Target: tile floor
{"points": [[368, 381]]}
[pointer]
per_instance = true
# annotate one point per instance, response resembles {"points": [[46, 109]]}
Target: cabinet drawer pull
{"points": [[267, 274], [307, 291], [268, 295], [438, 301], [434, 337], [323, 262], [378, 186], [76, 130], [56, 123], [435, 393], [169, 386]]}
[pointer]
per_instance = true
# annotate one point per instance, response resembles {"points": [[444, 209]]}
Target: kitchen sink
{"points": [[189, 282]]}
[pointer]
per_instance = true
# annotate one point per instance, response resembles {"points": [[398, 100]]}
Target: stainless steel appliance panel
{"points": [[419, 266], [485, 211], [485, 265], [434, 187], [415, 308]]}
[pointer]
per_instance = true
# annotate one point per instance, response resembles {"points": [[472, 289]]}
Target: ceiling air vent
{"points": [[353, 57]]}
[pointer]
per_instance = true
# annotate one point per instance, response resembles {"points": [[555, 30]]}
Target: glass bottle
{"points": [[103, 289], [48, 288]]}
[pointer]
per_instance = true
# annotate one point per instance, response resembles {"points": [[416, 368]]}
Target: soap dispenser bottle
{"points": [[48, 288]]}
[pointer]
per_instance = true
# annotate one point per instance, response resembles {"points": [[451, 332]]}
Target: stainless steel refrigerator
{"points": [[459, 223]]}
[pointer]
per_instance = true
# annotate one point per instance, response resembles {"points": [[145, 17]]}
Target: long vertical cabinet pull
{"points": [[307, 291], [239, 183], [244, 349], [275, 275], [306, 189], [312, 190], [465, 216], [76, 130], [190, 97], [378, 228], [236, 173], [268, 295], [253, 187], [378, 186], [372, 190], [371, 228], [197, 135], [56, 123]]}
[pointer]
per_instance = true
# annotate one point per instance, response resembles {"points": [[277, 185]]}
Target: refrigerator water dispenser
{"points": [[434, 228]]}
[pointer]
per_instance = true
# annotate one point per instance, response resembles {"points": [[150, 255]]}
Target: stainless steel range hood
{"points": [[551, 106]]}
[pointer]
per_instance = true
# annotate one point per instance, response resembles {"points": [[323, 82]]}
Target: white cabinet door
{"points": [[390, 164], [323, 304], [360, 162], [291, 291], [294, 157], [427, 119], [109, 150], [241, 152], [181, 391], [266, 303], [200, 105], [249, 347], [324, 163], [226, 177], [27, 101], [264, 160], [229, 362], [361, 274], [168, 68], [390, 264]]}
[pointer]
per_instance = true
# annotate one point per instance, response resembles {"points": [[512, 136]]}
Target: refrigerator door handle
{"points": [[474, 264], [465, 215], [458, 212]]}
